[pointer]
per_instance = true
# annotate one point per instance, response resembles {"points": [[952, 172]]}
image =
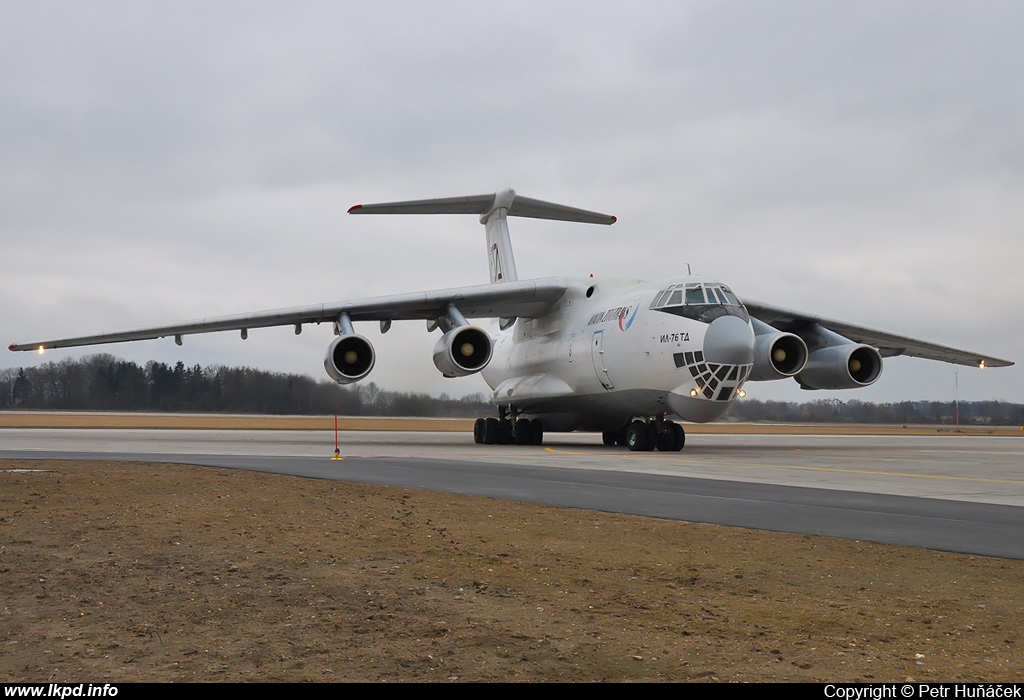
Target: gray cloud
{"points": [[170, 160]]}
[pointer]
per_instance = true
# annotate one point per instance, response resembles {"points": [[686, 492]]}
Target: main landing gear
{"points": [[503, 431], [642, 436]]}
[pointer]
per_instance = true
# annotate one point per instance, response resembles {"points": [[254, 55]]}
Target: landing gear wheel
{"points": [[620, 437], [490, 431], [678, 437], [522, 431], [609, 437], [665, 438], [536, 432], [505, 432], [478, 431], [636, 436], [652, 437]]}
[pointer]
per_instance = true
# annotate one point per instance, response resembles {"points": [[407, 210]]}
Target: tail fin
{"points": [[493, 210]]}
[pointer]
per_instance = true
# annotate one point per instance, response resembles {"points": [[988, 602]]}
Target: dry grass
{"points": [[148, 572]]}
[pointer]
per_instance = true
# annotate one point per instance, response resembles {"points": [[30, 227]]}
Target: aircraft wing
{"points": [[888, 344], [525, 298]]}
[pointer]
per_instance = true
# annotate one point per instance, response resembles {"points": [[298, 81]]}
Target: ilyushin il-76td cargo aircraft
{"points": [[621, 358]]}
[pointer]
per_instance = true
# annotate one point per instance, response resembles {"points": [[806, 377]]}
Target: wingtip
{"points": [[11, 347], [614, 219], [354, 208]]}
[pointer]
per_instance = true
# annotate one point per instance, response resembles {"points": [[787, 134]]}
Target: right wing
{"points": [[888, 344], [525, 298]]}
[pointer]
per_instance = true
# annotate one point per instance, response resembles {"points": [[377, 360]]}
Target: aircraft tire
{"points": [[652, 437], [665, 439], [478, 430], [536, 432], [490, 431], [636, 436], [506, 432], [679, 437], [522, 431], [609, 437]]}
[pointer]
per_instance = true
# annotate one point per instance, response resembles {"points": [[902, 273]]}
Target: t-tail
{"points": [[493, 210]]}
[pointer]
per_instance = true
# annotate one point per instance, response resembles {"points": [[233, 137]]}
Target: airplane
{"points": [[623, 358]]}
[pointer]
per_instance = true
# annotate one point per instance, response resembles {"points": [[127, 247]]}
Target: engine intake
{"points": [[349, 358], [463, 351], [777, 356]]}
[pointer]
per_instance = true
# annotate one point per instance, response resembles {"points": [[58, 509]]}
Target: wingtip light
{"points": [[41, 349], [981, 364]]}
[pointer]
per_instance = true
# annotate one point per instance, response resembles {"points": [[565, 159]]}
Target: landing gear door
{"points": [[597, 354]]}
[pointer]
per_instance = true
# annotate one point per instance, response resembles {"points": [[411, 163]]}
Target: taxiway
{"points": [[948, 492]]}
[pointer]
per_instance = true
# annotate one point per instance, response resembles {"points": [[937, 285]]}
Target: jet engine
{"points": [[777, 355], [462, 351], [349, 358], [846, 366]]}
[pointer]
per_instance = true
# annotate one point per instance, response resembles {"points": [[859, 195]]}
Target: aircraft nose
{"points": [[729, 341]]}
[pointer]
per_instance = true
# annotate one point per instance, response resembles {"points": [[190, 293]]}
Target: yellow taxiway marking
{"points": [[835, 470]]}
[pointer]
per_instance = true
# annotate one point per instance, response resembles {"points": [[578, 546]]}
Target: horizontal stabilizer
{"points": [[483, 204]]}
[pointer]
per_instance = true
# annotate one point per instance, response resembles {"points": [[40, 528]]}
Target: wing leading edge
{"points": [[888, 344], [525, 298]]}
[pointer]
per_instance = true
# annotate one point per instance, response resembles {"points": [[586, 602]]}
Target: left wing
{"points": [[888, 344], [503, 299]]}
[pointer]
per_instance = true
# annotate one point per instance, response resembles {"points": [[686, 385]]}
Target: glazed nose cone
{"points": [[729, 341]]}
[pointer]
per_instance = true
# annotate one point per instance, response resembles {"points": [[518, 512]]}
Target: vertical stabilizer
{"points": [[499, 244]]}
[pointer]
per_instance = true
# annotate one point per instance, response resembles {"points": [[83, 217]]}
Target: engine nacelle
{"points": [[777, 356], [462, 351], [846, 366], [349, 358]]}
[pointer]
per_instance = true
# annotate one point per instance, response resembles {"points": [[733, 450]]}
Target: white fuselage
{"points": [[615, 357]]}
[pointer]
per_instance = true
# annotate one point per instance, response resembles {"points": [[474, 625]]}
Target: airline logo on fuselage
{"points": [[624, 315]]}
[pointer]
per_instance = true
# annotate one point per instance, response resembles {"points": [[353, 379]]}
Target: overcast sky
{"points": [[166, 161]]}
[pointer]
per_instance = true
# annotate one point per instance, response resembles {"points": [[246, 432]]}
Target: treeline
{"points": [[106, 383], [904, 412]]}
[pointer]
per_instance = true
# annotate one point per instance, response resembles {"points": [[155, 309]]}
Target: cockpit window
{"points": [[691, 293], [699, 300]]}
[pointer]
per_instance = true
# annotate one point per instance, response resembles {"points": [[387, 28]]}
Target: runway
{"points": [[947, 492]]}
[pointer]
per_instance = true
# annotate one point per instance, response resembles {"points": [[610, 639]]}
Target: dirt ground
{"points": [[119, 572]]}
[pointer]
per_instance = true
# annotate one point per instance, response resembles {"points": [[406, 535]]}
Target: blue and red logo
{"points": [[625, 324]]}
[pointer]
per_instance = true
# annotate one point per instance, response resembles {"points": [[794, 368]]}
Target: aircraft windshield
{"points": [[703, 301]]}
